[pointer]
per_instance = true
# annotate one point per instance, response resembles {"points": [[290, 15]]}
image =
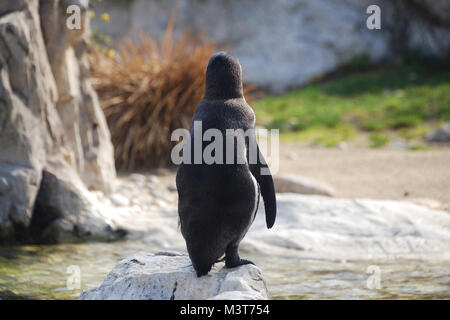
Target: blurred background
{"points": [[86, 116], [313, 70]]}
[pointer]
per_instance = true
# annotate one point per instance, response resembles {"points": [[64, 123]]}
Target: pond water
{"points": [[41, 272]]}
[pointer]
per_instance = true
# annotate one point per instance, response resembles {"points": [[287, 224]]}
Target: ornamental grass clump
{"points": [[147, 89]]}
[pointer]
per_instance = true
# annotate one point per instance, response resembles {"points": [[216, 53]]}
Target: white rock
{"points": [[158, 193], [161, 203], [119, 200], [332, 228], [170, 276], [152, 179], [137, 177], [302, 185]]}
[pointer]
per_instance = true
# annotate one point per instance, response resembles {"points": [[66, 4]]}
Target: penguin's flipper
{"points": [[265, 182]]}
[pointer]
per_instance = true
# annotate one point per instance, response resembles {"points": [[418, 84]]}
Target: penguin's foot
{"points": [[232, 258], [237, 263]]}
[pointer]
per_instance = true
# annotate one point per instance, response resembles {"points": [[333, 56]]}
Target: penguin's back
{"points": [[216, 202], [224, 114], [225, 181]]}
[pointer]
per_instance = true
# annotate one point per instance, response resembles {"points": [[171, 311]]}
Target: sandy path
{"points": [[377, 174]]}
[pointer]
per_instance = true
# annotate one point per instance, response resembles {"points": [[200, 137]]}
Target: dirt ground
{"points": [[373, 173]]}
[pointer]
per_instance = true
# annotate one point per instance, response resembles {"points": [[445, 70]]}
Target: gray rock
{"points": [[137, 177], [54, 142], [170, 276], [302, 185], [27, 94], [17, 199], [158, 193], [440, 135], [398, 143], [4, 186], [65, 211], [85, 126], [172, 187]]}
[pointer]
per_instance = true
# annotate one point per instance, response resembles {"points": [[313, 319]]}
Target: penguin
{"points": [[217, 202]]}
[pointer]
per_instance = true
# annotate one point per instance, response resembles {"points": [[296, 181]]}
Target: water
{"points": [[41, 272]]}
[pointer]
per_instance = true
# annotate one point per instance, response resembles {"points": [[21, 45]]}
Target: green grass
{"points": [[417, 147], [379, 140], [328, 137], [399, 99]]}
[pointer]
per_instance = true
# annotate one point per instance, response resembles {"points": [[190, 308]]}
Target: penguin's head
{"points": [[223, 77]]}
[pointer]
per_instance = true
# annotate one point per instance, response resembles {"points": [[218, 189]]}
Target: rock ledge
{"points": [[170, 276]]}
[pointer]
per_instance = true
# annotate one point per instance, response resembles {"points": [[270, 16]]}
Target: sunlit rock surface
{"points": [[326, 227], [54, 142], [170, 276]]}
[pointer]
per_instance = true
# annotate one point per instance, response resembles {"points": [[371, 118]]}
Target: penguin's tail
{"points": [[202, 262], [202, 273]]}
